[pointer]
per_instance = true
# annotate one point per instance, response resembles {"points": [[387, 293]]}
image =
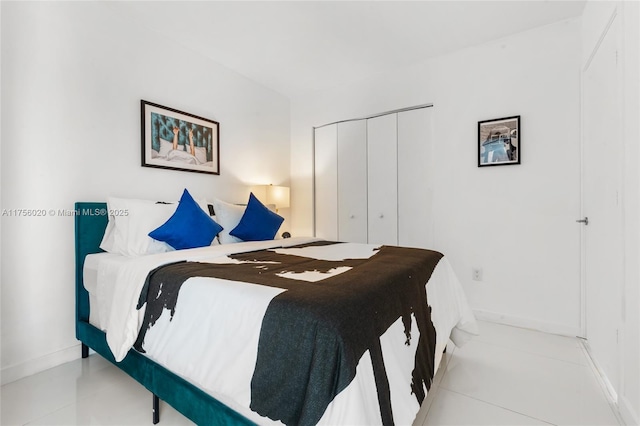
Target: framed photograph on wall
{"points": [[499, 142], [177, 140]]}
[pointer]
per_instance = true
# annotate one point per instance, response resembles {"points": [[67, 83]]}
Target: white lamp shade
{"points": [[278, 195], [275, 197]]}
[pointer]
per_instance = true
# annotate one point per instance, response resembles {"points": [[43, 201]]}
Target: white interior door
{"points": [[382, 180], [602, 236], [352, 181], [326, 182]]}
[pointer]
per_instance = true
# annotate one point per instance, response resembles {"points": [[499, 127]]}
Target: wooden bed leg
{"points": [[156, 409], [85, 351]]}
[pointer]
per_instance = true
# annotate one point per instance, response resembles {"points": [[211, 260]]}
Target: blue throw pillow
{"points": [[258, 223], [188, 227]]}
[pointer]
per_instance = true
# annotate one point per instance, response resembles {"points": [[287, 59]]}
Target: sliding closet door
{"points": [[352, 181], [415, 182], [382, 180], [326, 182]]}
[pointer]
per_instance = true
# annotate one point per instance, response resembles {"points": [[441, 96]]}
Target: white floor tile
{"points": [[113, 409], [549, 345], [450, 408], [35, 396], [558, 392], [82, 392], [129, 405], [426, 404]]}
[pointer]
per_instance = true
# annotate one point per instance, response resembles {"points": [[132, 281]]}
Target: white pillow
{"points": [[181, 156], [165, 147], [201, 154], [133, 221], [228, 216], [156, 246], [108, 240]]}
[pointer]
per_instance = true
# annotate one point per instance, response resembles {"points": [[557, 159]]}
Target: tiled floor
{"points": [[506, 376], [513, 376]]}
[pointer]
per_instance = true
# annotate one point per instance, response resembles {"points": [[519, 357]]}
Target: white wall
{"points": [[73, 75], [516, 222]]}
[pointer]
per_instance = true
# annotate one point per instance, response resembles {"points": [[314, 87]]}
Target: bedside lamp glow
{"points": [[277, 196]]}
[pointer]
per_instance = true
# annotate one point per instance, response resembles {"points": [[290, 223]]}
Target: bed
{"points": [[262, 371]]}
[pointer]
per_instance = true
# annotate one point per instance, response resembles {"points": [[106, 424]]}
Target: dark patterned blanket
{"points": [[314, 334]]}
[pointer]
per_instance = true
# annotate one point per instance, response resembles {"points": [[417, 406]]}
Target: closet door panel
{"points": [[382, 180], [352, 181], [415, 182], [326, 182]]}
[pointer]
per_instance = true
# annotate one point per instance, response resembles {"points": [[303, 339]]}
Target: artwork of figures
{"points": [[173, 139]]}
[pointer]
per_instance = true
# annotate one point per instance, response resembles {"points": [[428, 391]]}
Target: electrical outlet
{"points": [[476, 274]]}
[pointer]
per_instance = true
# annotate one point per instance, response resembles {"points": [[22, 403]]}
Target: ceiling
{"points": [[295, 47]]}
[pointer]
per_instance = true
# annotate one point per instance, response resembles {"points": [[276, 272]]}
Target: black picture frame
{"points": [[499, 142], [178, 140]]}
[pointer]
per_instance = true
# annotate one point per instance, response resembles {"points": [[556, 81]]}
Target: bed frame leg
{"points": [[156, 409], [85, 351]]}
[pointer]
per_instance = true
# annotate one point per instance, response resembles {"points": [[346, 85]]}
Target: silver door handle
{"points": [[585, 220]]}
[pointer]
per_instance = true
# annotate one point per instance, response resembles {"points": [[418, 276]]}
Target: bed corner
{"points": [[90, 222]]}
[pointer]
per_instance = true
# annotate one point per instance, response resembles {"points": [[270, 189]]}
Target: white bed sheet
{"points": [[90, 281]]}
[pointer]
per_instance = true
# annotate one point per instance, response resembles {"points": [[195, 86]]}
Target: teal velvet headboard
{"points": [[90, 222]]}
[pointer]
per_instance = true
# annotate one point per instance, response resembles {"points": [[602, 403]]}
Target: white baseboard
{"points": [[27, 368], [608, 388], [628, 414], [546, 327], [615, 401]]}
